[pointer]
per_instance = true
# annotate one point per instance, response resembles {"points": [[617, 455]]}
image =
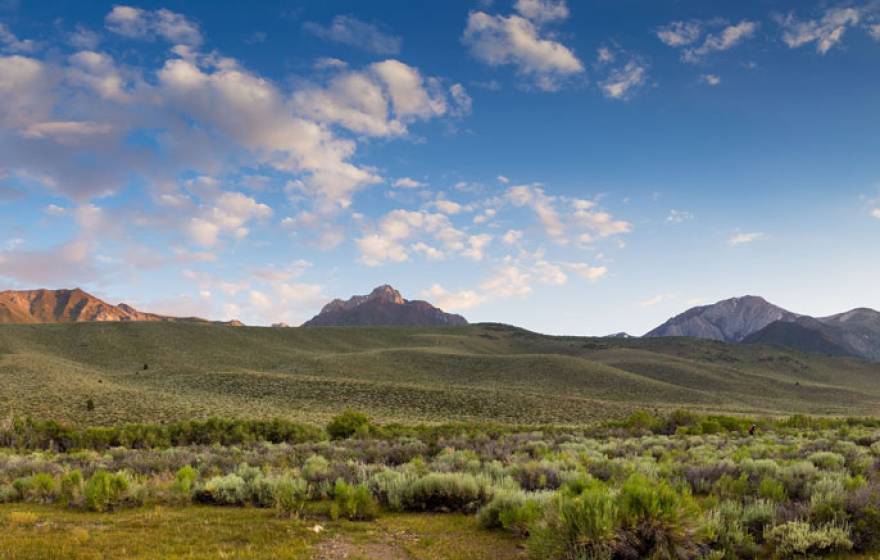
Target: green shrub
{"points": [[657, 520], [348, 424], [105, 491], [226, 490], [316, 469], [863, 511], [184, 480], [72, 488], [725, 532], [290, 496], [447, 492], [827, 460], [513, 510], [798, 539], [354, 503], [771, 489], [390, 487], [582, 526]]}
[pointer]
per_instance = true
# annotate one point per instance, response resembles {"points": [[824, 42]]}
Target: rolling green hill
{"points": [[477, 372]]}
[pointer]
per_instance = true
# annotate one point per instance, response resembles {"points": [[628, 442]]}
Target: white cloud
{"points": [[655, 300], [353, 32], [680, 33], [13, 44], [66, 132], [508, 281], [825, 32], [710, 79], [452, 301], [408, 183], [229, 213], [136, 23], [874, 30], [744, 238], [514, 40], [476, 245], [876, 213], [549, 273], [381, 100], [678, 216], [542, 204], [54, 210], [84, 39], [586, 271], [542, 11], [730, 36], [621, 83], [512, 236], [447, 206], [388, 243], [598, 221], [503, 180]]}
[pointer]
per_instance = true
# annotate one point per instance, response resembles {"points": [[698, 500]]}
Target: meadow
{"points": [[678, 485], [94, 374], [150, 440]]}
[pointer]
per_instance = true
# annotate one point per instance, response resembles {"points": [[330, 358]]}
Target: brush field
{"points": [[475, 373]]}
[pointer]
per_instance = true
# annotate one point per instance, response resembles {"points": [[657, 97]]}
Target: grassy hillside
{"points": [[478, 372]]}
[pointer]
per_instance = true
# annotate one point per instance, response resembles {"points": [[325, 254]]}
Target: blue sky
{"points": [[580, 167]]}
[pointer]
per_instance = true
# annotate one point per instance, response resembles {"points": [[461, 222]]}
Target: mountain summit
{"points": [[753, 320], [383, 306], [70, 306], [730, 320]]}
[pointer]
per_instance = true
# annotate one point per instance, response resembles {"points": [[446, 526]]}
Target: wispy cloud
{"points": [[745, 238], [353, 32], [825, 32]]}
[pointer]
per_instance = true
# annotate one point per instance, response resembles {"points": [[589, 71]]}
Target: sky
{"points": [[581, 167]]}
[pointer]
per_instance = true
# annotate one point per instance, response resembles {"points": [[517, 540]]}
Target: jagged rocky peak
{"points": [[383, 306]]}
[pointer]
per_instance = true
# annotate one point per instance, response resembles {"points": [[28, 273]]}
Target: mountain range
{"points": [[72, 306], [754, 320], [383, 306], [740, 320]]}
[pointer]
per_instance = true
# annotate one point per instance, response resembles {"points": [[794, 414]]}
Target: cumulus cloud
{"points": [[508, 281], [381, 100], [389, 242], [543, 206], [825, 32], [353, 32], [623, 82], [515, 40], [599, 222], [452, 301], [62, 265], [542, 11], [229, 213], [745, 238], [680, 33], [729, 37], [136, 23], [587, 271], [10, 43], [711, 79], [876, 213]]}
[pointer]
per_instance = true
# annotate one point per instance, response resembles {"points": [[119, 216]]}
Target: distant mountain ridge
{"points": [[383, 306], [754, 320], [71, 306]]}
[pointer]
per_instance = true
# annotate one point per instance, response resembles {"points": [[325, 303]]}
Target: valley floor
{"points": [[31, 532]]}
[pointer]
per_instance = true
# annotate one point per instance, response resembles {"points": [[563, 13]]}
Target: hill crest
{"points": [[383, 306]]}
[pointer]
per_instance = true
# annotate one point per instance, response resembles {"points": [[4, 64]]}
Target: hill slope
{"points": [[476, 372], [383, 306]]}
